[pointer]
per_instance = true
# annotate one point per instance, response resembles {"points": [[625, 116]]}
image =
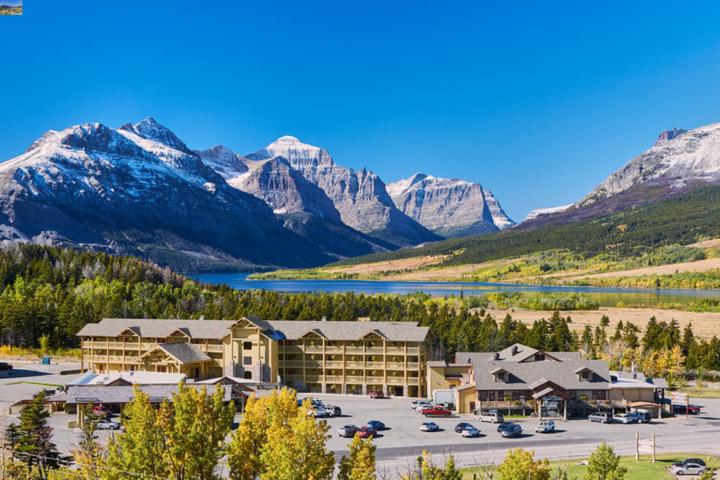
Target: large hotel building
{"points": [[312, 356]]}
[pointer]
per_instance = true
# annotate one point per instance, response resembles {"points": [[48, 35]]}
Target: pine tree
{"points": [[34, 445]]}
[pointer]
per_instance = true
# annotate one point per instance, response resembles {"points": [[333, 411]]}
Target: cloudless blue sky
{"points": [[539, 101]]}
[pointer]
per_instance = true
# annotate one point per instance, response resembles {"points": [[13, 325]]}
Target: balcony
{"points": [[354, 379], [333, 349], [334, 364], [374, 350], [213, 348], [375, 380], [413, 365], [413, 351], [354, 365], [333, 379], [396, 380], [354, 350], [313, 349], [395, 365], [395, 350], [375, 364]]}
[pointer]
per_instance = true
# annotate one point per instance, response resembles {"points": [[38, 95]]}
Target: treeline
{"points": [[47, 295], [628, 234]]}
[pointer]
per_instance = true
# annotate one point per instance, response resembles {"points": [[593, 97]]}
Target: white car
{"points": [[545, 426], [470, 432], [429, 427], [626, 418], [423, 405], [107, 425]]}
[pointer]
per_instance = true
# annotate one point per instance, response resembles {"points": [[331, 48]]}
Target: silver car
{"points": [[687, 468]]}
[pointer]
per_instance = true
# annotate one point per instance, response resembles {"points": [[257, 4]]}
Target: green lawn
{"points": [[643, 470]]}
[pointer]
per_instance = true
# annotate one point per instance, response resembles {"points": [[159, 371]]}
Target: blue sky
{"points": [[538, 101]]}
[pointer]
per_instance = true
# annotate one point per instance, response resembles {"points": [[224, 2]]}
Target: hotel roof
{"points": [[290, 329]]}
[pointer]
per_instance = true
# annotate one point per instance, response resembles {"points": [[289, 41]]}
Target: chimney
{"points": [[496, 356], [514, 350]]}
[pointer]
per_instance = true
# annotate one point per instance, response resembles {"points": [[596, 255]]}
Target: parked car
{"points": [[415, 403], [470, 432], [436, 411], [366, 431], [687, 468], [107, 425], [644, 416], [423, 405], [680, 409], [101, 411], [601, 417], [336, 411], [699, 461], [511, 430], [377, 394], [545, 426], [5, 366], [348, 431], [502, 426], [492, 416], [462, 426], [377, 424], [429, 427], [627, 418]]}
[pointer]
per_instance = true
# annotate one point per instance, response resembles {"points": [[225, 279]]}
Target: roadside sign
{"points": [[644, 445]]}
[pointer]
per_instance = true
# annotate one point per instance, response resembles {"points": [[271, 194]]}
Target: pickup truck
{"points": [[436, 411]]}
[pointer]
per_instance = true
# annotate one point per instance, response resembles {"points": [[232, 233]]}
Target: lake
{"points": [[606, 296]]}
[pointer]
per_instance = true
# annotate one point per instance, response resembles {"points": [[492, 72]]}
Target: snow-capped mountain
{"points": [[533, 214], [139, 190], [359, 196], [678, 159], [449, 207]]}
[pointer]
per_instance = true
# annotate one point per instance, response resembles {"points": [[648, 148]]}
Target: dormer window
{"points": [[584, 374]]}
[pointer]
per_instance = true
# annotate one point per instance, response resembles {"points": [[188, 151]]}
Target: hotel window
{"points": [[247, 345], [247, 360], [247, 375]]}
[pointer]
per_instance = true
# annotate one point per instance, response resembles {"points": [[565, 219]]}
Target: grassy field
{"points": [[8, 352], [642, 470], [667, 266]]}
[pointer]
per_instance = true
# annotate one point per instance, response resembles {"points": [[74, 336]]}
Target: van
{"points": [[601, 417], [492, 416]]}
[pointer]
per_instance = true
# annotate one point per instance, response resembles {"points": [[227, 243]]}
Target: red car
{"points": [[377, 394], [435, 411], [366, 432], [679, 409]]}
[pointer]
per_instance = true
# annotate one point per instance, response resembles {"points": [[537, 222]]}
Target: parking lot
{"points": [[403, 441]]}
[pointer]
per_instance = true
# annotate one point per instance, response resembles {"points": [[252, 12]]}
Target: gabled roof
{"points": [[156, 328], [83, 394], [183, 352], [276, 329]]}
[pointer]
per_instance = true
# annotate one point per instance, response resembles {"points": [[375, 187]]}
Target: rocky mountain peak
{"points": [[150, 129], [300, 155], [449, 206], [669, 135], [223, 160]]}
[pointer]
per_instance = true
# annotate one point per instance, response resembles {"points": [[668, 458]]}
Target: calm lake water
{"points": [[606, 296]]}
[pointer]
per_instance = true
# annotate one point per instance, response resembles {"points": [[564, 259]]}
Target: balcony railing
{"points": [[354, 350], [313, 349], [333, 349], [395, 350], [374, 350]]}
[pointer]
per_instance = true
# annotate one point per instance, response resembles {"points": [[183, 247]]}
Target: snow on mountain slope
{"points": [[359, 196], [449, 207], [677, 160], [139, 190], [546, 211]]}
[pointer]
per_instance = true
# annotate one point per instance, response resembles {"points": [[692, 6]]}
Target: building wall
{"points": [[632, 394], [311, 363], [445, 376]]}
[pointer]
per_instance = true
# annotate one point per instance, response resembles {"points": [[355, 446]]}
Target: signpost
{"points": [[644, 445]]}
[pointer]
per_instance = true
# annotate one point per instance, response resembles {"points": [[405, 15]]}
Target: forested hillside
{"points": [[680, 220], [53, 292]]}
